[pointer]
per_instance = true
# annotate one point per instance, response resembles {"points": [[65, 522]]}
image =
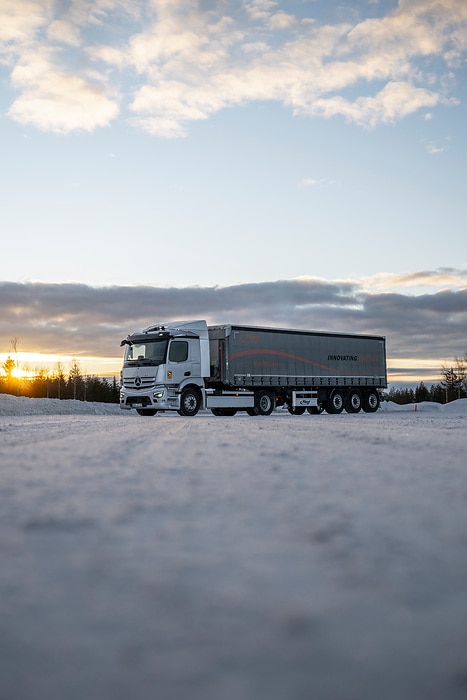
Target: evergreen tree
{"points": [[9, 365], [9, 382], [437, 393], [75, 382], [421, 393]]}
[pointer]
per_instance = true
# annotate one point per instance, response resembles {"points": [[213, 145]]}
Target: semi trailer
{"points": [[186, 366]]}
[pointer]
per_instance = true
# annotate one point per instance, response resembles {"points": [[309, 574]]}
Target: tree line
{"points": [[58, 385], [453, 385]]}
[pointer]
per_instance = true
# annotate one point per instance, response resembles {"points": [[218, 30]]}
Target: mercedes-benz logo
{"points": [[137, 381]]}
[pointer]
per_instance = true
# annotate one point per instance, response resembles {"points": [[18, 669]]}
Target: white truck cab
{"points": [[164, 368]]}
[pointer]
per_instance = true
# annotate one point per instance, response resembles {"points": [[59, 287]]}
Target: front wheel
{"points": [[190, 402], [264, 403]]}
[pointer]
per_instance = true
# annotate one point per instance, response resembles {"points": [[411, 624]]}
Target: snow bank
{"points": [[24, 406], [458, 407]]}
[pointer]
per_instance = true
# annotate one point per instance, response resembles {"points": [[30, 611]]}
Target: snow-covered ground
{"points": [[207, 558]]}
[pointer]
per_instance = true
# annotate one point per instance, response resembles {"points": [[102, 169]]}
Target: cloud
{"points": [[79, 320], [57, 91], [78, 65], [423, 280], [21, 21], [393, 102], [56, 100], [433, 149]]}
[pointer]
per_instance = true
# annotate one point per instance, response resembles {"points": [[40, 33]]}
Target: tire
{"points": [[223, 411], [371, 401], [146, 411], [315, 410], [297, 410], [190, 402], [335, 403], [354, 402], [264, 403]]}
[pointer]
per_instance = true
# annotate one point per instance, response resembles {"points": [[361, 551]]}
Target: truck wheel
{"points": [[335, 402], [315, 410], [264, 403], [354, 402], [371, 401], [146, 411], [296, 410], [190, 402]]}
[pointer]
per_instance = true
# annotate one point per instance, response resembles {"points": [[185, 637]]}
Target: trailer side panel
{"points": [[252, 356]]}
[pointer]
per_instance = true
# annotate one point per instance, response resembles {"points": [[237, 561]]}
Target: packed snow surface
{"points": [[243, 558]]}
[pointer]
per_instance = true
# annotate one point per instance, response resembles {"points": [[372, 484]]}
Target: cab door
{"points": [[183, 360]]}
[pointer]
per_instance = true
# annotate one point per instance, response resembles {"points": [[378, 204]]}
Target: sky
{"points": [[295, 164]]}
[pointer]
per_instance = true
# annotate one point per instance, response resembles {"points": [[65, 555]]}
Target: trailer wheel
{"points": [[264, 403], [146, 411], [296, 410], [354, 402], [371, 401], [335, 402], [315, 410], [190, 402]]}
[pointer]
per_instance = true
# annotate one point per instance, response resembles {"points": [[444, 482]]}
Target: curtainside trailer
{"points": [[188, 365]]}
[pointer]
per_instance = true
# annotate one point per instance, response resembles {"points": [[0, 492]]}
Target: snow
{"points": [[24, 406], [280, 557]]}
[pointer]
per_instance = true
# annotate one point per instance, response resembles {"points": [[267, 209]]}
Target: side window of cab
{"points": [[178, 351]]}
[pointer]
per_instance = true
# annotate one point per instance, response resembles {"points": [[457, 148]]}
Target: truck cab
{"points": [[164, 368]]}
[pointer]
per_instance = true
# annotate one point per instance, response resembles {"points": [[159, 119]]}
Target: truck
{"points": [[186, 366]]}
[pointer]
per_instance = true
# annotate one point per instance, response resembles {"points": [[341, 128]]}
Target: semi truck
{"points": [[186, 366]]}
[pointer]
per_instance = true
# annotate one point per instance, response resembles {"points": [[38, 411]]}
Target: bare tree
{"points": [[463, 363]]}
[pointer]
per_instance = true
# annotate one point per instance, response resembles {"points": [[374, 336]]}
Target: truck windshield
{"points": [[151, 352]]}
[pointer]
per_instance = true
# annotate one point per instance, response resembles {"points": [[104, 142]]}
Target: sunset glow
{"points": [[400, 370], [31, 364]]}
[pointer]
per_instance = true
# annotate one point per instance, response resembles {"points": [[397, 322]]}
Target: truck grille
{"points": [[145, 383]]}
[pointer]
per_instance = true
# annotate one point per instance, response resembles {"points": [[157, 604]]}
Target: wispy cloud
{"points": [[411, 282], [78, 320], [434, 149], [79, 65]]}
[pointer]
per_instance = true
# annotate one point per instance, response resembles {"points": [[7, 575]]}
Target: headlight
{"points": [[158, 394]]}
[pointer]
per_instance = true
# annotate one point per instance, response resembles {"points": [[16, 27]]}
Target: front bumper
{"points": [[158, 397]]}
